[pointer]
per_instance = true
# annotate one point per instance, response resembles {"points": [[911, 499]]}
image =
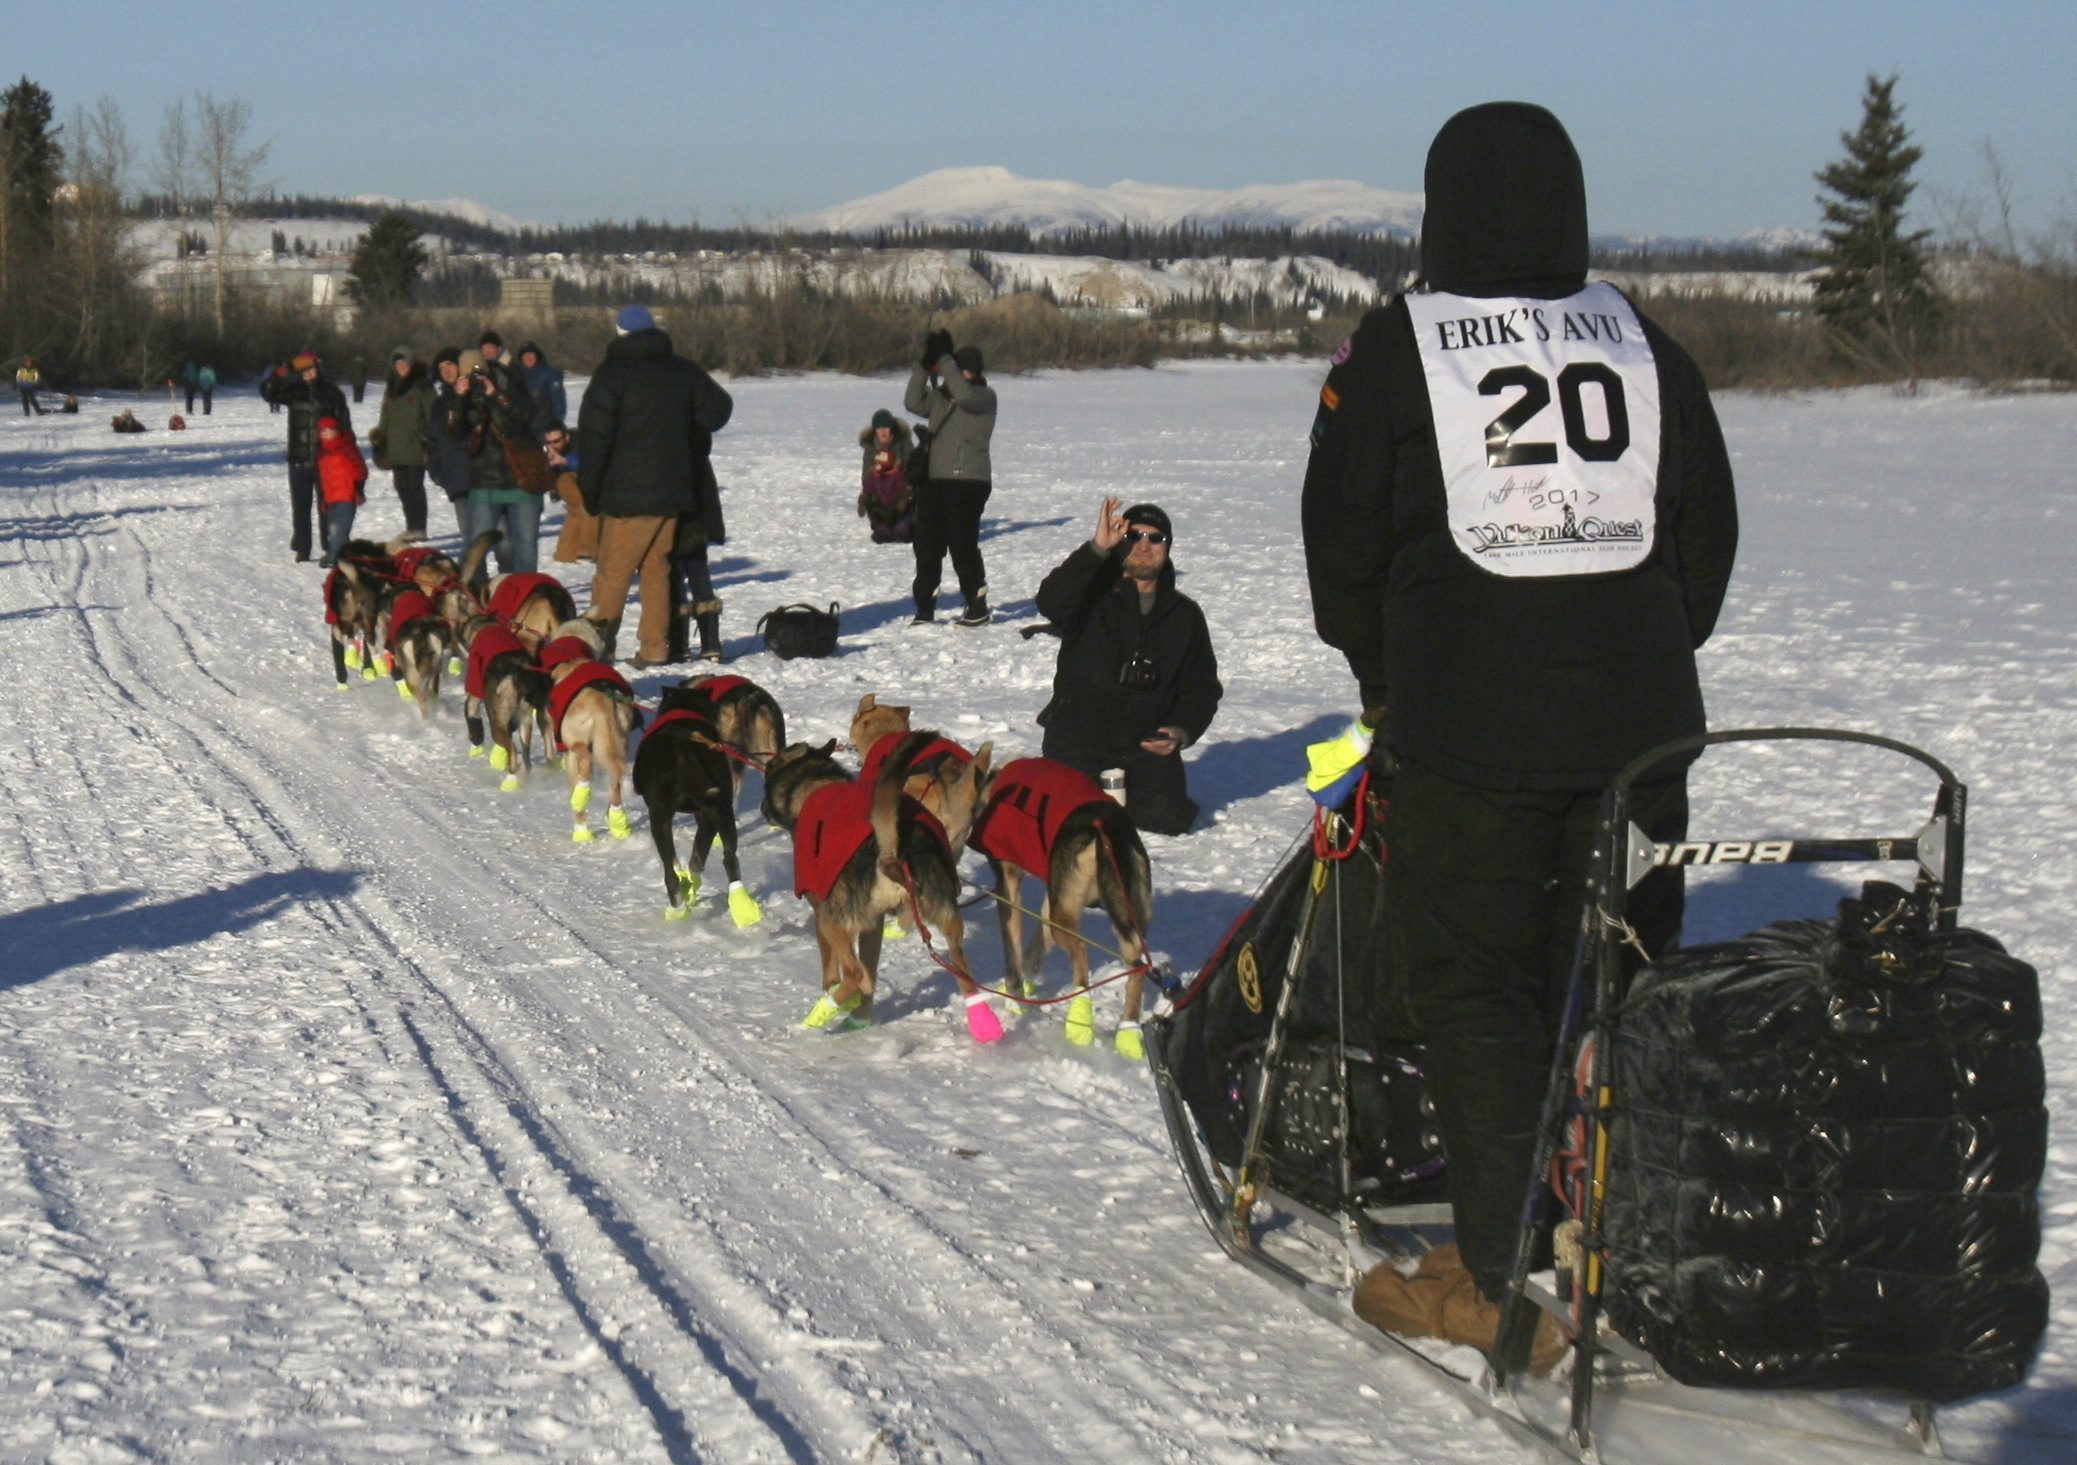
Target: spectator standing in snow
{"points": [[206, 379], [190, 383], [447, 461], [885, 500], [1517, 663], [544, 383], [644, 433], [950, 388], [400, 433], [579, 539], [1137, 680], [480, 416], [28, 381], [360, 377], [302, 387]]}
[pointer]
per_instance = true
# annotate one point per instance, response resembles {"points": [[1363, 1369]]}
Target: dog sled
{"points": [[1790, 1177]]}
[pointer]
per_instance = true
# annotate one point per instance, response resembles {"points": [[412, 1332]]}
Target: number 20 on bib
{"points": [[1547, 424]]}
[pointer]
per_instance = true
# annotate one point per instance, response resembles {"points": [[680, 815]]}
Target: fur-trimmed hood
{"points": [[902, 439]]}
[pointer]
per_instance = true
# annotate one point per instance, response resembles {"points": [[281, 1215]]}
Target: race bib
{"points": [[1547, 424]]}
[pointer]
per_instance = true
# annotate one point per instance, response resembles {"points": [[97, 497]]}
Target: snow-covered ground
{"points": [[348, 1111]]}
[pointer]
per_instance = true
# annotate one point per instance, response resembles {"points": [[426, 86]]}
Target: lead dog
{"points": [[681, 768], [1043, 818], [861, 851]]}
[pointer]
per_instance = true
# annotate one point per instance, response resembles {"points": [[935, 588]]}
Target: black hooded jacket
{"points": [[645, 428], [1499, 682], [1093, 713], [307, 402]]}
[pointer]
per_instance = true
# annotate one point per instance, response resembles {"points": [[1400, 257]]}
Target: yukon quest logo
{"points": [[1573, 530]]}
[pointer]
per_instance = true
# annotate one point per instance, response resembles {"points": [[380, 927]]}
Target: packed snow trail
{"points": [[355, 1112]]}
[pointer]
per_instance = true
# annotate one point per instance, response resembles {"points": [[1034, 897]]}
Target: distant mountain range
{"points": [[957, 198], [454, 208]]}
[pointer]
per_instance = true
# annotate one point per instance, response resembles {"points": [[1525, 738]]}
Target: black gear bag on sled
{"points": [[1797, 1169]]}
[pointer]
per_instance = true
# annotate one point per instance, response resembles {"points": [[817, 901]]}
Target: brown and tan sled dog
{"points": [[746, 716], [591, 715], [862, 851], [876, 727], [1040, 817]]}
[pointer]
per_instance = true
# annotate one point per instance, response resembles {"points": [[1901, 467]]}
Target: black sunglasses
{"points": [[1146, 536]]}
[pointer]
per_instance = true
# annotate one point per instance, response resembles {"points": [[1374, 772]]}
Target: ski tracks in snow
{"points": [[597, 1207]]}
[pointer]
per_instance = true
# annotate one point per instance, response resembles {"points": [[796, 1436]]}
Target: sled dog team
{"points": [[870, 849]]}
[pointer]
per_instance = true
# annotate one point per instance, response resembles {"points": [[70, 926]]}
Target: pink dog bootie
{"points": [[981, 1020]]}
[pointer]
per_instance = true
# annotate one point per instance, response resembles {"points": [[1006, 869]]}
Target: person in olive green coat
{"points": [[399, 436]]}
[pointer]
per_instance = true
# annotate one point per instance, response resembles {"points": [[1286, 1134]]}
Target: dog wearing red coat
{"points": [[862, 851], [1041, 817], [591, 715]]}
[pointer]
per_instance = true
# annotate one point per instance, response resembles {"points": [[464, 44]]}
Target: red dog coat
{"points": [[491, 642], [835, 823], [562, 649], [1031, 799], [408, 560], [884, 745], [586, 674], [513, 591], [410, 606]]}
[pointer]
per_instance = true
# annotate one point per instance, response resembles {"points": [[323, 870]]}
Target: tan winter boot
{"points": [[1441, 1300], [708, 615]]}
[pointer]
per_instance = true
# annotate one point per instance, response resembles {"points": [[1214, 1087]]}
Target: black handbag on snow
{"points": [[799, 630]]}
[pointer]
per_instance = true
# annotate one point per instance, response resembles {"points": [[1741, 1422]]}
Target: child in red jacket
{"points": [[340, 473]]}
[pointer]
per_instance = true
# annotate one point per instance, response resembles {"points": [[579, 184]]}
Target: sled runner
{"points": [[1701, 1317]]}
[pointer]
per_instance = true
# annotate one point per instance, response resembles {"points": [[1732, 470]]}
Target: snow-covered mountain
{"points": [[988, 197]]}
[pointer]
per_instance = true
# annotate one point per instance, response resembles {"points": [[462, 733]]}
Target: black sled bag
{"points": [[799, 630], [1342, 1019], [1824, 1155]]}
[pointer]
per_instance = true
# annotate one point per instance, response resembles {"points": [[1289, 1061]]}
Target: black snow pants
{"points": [[1483, 892], [948, 517]]}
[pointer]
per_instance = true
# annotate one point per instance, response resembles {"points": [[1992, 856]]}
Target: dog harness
{"points": [[584, 674], [562, 649], [883, 745], [1029, 803], [491, 642], [835, 823], [701, 722], [513, 591], [410, 606]]}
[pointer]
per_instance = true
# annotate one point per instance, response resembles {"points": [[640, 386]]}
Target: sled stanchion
{"points": [[1258, 1122]]}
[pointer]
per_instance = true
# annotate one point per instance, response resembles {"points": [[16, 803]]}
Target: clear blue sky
{"points": [[1693, 118]]}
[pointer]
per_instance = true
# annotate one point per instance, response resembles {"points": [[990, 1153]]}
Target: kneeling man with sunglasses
{"points": [[1137, 681]]}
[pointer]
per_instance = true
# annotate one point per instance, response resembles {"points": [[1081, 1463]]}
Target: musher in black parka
{"points": [[1519, 525]]}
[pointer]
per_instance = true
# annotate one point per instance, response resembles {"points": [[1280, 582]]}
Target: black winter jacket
{"points": [[307, 402], [1507, 683], [469, 419], [1094, 715], [447, 460], [645, 428]]}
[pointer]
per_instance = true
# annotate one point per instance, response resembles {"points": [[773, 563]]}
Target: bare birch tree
{"points": [[228, 171]]}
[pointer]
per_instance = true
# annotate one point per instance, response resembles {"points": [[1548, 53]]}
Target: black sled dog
{"points": [[681, 768]]}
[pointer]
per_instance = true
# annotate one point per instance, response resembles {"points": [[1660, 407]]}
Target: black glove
{"points": [[936, 347]]}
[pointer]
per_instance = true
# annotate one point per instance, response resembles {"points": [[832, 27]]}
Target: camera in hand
{"points": [[1140, 674]]}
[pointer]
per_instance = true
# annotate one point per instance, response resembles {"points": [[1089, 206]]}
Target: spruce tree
{"points": [[30, 164], [1873, 285], [386, 262]]}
